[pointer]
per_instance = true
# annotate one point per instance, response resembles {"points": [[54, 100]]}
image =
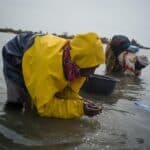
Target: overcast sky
{"points": [[106, 17]]}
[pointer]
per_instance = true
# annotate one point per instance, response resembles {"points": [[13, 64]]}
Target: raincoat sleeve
{"points": [[72, 90], [64, 104]]}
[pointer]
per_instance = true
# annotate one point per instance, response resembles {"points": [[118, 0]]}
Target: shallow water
{"points": [[123, 125]]}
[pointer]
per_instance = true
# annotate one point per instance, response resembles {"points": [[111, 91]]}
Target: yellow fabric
{"points": [[45, 81], [52, 95], [87, 50]]}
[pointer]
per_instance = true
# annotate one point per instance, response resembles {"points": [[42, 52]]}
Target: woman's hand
{"points": [[91, 109]]}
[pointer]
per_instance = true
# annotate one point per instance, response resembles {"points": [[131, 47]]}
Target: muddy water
{"points": [[123, 125]]}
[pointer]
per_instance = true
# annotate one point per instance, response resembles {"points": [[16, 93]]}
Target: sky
{"points": [[106, 17]]}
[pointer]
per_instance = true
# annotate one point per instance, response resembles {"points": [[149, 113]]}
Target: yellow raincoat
{"points": [[52, 95]]}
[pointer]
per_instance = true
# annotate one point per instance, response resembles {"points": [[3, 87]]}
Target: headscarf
{"points": [[71, 70]]}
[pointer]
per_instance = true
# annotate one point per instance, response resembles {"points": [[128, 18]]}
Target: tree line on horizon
{"points": [[66, 36]]}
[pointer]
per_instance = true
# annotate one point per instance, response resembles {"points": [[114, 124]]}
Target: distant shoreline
{"points": [[65, 35]]}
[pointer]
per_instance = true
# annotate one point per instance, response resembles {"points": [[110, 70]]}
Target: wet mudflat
{"points": [[123, 125]]}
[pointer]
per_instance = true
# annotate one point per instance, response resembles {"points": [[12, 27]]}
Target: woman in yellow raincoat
{"points": [[46, 72]]}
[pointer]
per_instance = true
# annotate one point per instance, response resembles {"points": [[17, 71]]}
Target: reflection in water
{"points": [[128, 88], [32, 130]]}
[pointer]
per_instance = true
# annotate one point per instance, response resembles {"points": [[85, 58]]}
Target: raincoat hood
{"points": [[87, 50]]}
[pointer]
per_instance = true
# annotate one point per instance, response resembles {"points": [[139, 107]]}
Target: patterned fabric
{"points": [[112, 64], [71, 70], [127, 60], [132, 63]]}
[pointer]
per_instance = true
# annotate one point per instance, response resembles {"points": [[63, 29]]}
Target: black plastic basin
{"points": [[99, 84]]}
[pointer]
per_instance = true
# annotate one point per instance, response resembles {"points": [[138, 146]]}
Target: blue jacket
{"points": [[12, 54]]}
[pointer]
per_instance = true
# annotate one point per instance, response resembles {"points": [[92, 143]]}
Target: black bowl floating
{"points": [[99, 84]]}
